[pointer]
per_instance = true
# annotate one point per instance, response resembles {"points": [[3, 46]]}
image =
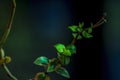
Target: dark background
{"points": [[40, 24]]}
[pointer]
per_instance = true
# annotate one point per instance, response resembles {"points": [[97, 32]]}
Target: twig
{"points": [[8, 72], [100, 22]]}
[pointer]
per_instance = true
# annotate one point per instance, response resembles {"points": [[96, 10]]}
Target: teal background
{"points": [[37, 27], [39, 24]]}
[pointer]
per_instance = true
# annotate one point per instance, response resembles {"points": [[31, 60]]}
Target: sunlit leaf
{"points": [[59, 47], [41, 61], [73, 28], [63, 72], [67, 52], [86, 34]]}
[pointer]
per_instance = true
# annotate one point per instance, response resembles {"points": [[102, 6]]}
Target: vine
{"points": [[64, 52]]}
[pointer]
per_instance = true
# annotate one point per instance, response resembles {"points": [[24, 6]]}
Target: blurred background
{"points": [[39, 24]]}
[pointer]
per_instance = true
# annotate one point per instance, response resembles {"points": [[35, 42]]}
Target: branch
{"points": [[6, 33], [99, 23]]}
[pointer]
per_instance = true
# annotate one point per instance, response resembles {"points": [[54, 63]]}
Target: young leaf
{"points": [[75, 34], [59, 47], [90, 30], [63, 72], [79, 29], [73, 28], [81, 24], [86, 35], [41, 61]]}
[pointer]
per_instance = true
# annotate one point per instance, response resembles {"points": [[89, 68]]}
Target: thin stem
{"points": [[8, 72], [4, 38], [100, 22], [6, 33]]}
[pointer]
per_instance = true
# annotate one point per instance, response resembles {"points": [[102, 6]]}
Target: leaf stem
{"points": [[6, 33], [8, 72], [100, 22]]}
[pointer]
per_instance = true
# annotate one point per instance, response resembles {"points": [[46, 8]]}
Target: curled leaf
{"points": [[59, 47], [73, 28], [41, 61], [63, 72], [86, 34], [7, 59], [40, 76]]}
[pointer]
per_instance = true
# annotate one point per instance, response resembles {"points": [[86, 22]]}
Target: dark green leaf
{"points": [[79, 37], [51, 68], [40, 76], [41, 61], [65, 60], [79, 29], [73, 28], [72, 48], [74, 34], [63, 72], [59, 47], [86, 35], [52, 65], [90, 30]]}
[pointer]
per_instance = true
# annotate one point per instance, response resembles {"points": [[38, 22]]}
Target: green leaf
{"points": [[40, 76], [90, 30], [51, 68], [73, 28], [75, 34], [72, 48], [79, 29], [59, 47], [79, 37], [86, 35], [67, 52], [81, 24], [63, 72], [41, 61], [65, 60], [53, 64]]}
